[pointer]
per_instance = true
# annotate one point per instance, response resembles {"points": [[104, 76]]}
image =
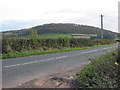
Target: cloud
{"points": [[90, 19], [16, 25], [19, 14]]}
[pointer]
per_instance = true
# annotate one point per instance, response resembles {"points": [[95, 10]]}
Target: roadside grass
{"points": [[102, 72], [16, 55], [50, 36]]}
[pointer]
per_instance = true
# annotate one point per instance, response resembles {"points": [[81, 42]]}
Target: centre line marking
{"points": [[29, 63], [90, 51], [13, 65], [35, 62], [61, 57]]}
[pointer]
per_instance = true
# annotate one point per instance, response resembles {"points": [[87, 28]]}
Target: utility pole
{"points": [[101, 26]]}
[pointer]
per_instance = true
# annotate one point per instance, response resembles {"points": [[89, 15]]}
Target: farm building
{"points": [[82, 35], [104, 36], [92, 36]]}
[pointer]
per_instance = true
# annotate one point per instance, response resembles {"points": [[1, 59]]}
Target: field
{"points": [[50, 36]]}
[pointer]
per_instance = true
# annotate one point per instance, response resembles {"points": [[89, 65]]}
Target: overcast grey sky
{"points": [[19, 14]]}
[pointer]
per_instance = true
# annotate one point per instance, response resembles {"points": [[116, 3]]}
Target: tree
{"points": [[34, 38]]}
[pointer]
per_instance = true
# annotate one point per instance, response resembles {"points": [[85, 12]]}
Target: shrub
{"points": [[10, 45], [100, 73]]}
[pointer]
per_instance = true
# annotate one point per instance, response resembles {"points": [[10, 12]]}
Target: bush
{"points": [[21, 45], [100, 73]]}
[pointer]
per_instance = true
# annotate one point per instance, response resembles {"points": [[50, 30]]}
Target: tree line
{"points": [[10, 45], [61, 28]]}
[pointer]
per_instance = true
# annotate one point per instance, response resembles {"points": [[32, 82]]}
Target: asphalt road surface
{"points": [[19, 70]]}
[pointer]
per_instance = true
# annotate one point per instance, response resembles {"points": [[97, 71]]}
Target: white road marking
{"points": [[107, 48], [61, 57], [29, 63], [97, 50], [35, 61], [13, 65], [90, 51], [46, 60]]}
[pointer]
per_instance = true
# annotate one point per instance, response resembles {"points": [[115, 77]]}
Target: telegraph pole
{"points": [[101, 26]]}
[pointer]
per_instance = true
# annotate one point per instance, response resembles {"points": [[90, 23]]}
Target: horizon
{"points": [[56, 23], [20, 14]]}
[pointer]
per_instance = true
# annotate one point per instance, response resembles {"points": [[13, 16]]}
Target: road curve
{"points": [[19, 70]]}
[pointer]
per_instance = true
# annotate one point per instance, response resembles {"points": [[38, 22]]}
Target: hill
{"points": [[60, 28]]}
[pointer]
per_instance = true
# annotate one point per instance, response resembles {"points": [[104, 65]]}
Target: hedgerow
{"points": [[10, 45], [100, 73]]}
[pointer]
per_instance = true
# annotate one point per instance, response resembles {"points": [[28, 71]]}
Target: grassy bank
{"points": [[100, 73], [15, 55]]}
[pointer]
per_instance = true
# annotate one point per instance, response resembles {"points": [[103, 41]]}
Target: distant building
{"points": [[82, 35], [104, 36]]}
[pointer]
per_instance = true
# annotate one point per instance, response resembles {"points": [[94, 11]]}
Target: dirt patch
{"points": [[48, 82], [60, 80]]}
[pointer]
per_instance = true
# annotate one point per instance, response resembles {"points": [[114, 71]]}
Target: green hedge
{"points": [[10, 45], [100, 73]]}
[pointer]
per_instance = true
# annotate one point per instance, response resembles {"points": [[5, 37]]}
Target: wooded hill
{"points": [[60, 28]]}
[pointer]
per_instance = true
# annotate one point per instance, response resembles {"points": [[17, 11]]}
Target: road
{"points": [[19, 70]]}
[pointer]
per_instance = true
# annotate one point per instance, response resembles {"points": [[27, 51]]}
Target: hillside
{"points": [[60, 28]]}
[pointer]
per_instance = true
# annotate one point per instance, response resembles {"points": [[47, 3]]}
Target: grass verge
{"points": [[100, 73], [15, 55]]}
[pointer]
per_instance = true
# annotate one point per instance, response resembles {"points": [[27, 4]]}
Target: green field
{"points": [[51, 36]]}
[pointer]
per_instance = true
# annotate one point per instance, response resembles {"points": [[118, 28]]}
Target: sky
{"points": [[20, 14]]}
